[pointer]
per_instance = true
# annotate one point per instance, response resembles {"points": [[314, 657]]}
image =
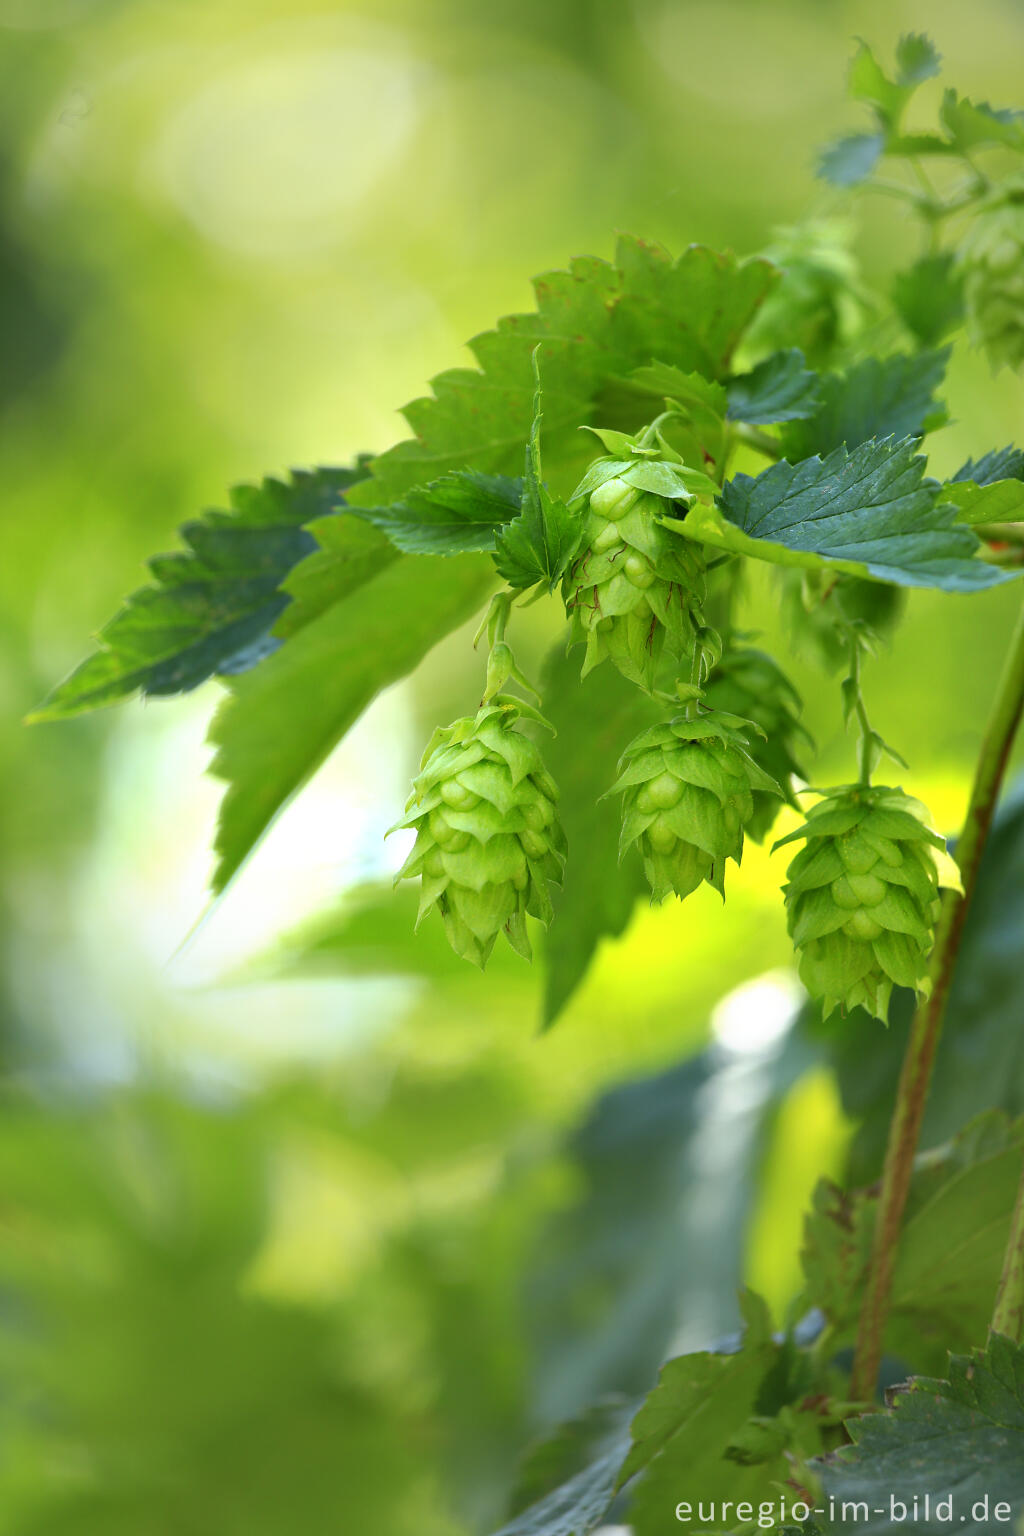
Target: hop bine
{"points": [[488, 838], [992, 259], [688, 790], [749, 683], [863, 896], [634, 586]]}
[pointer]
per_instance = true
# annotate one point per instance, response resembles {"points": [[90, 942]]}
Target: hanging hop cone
{"points": [[863, 896], [688, 792], [488, 838], [992, 259], [634, 585], [751, 684]]}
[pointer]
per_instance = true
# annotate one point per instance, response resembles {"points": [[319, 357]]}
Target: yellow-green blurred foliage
{"points": [[313, 1254]]}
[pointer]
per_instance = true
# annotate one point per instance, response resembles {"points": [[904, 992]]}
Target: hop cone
{"points": [[633, 585], [992, 256], [487, 836], [750, 683], [863, 896], [688, 792]]}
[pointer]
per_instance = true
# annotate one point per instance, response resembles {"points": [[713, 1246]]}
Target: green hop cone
{"points": [[992, 259], [863, 896], [688, 792], [488, 838], [751, 684], [634, 585]]}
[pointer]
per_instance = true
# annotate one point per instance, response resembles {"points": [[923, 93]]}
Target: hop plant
{"points": [[863, 896], [992, 257], [749, 683], [634, 586], [488, 838], [688, 790]]}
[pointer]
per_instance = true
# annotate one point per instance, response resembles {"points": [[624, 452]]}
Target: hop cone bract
{"points": [[488, 839], [688, 792], [992, 256], [751, 684], [633, 586], [863, 896]]}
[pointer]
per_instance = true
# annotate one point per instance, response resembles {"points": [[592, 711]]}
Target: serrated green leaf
{"points": [[705, 397], [348, 553], [779, 389], [917, 58], [869, 513], [970, 124], [960, 1440], [459, 514], [878, 397], [850, 160], [1002, 501], [1000, 464], [593, 720], [869, 83], [213, 606], [598, 321], [280, 722], [929, 297], [539, 545]]}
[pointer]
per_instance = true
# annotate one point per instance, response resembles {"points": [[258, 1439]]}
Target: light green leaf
{"points": [[540, 543], [598, 321], [868, 513], [970, 124], [960, 1440], [778, 389], [929, 297], [348, 553], [459, 514], [281, 721], [213, 606], [1002, 501], [593, 720]]}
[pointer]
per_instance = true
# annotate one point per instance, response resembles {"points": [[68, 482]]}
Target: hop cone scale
{"points": [[488, 838], [688, 788], [751, 684], [863, 896], [634, 584], [992, 256]]}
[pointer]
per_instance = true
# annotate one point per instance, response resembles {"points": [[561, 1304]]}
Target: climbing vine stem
{"points": [[912, 1092]]}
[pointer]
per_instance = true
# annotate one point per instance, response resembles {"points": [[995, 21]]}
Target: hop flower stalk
{"points": [[488, 838], [863, 896], [688, 789]]}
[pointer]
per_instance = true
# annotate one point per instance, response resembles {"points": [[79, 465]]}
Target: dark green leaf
{"points": [[778, 389], [850, 160], [869, 513], [458, 514], [594, 721], [960, 1440], [281, 721], [929, 298], [578, 1506], [540, 543], [597, 321], [878, 397], [212, 607], [970, 124], [599, 1435], [1000, 464]]}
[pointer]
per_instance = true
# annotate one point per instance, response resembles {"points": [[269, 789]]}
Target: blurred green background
{"points": [[283, 1248]]}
